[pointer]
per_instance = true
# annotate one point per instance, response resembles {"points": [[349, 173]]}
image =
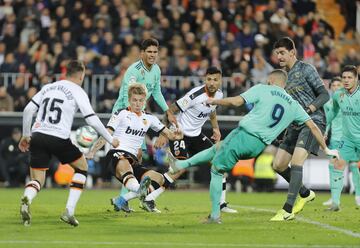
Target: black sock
{"points": [[304, 192], [294, 187]]}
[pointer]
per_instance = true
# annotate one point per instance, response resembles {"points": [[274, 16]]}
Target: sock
{"points": [[215, 193], [31, 189], [223, 193], [76, 188], [337, 186], [355, 177], [202, 157], [129, 196], [168, 180], [331, 173], [155, 194], [132, 184], [123, 191], [294, 187], [286, 174]]}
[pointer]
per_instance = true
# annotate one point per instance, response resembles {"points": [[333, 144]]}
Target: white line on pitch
{"points": [[316, 223], [168, 244]]}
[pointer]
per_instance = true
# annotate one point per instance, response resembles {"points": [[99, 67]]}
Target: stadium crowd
{"points": [[40, 37]]}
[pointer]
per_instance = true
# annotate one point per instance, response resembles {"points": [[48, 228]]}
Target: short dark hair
{"points": [[350, 68], [286, 42], [74, 66], [149, 42], [334, 79], [280, 73], [213, 70]]}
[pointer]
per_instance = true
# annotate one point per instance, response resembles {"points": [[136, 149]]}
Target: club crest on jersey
{"points": [[297, 75], [145, 122], [342, 97]]}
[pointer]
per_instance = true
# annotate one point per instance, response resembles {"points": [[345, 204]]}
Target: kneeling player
{"points": [[130, 126]]}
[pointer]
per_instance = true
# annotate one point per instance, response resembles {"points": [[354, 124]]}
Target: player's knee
{"points": [[339, 164], [124, 178]]}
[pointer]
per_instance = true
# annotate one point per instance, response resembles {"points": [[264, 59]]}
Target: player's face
{"points": [[336, 85], [150, 55], [349, 80], [284, 56], [212, 82], [137, 102]]}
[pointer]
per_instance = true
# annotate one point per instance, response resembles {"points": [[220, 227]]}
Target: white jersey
{"points": [[57, 104], [130, 128], [194, 111]]}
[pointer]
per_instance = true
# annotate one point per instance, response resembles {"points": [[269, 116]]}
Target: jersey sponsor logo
{"points": [[135, 132], [202, 115]]}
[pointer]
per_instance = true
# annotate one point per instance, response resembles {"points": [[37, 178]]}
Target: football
{"points": [[86, 136]]}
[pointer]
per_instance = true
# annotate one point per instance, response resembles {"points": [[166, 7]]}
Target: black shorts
{"points": [[301, 136], [42, 146], [115, 155], [189, 146]]}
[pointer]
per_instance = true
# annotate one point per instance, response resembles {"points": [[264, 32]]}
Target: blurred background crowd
{"points": [[38, 37]]}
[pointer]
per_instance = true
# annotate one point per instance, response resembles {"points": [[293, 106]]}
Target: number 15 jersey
{"points": [[273, 111], [57, 104]]}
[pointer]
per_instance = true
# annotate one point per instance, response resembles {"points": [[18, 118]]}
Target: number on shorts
{"points": [[179, 144], [277, 114]]}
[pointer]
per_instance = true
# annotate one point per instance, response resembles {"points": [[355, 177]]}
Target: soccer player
{"points": [[56, 105], [333, 129], [273, 111], [130, 126], [146, 72], [306, 87], [346, 101], [194, 112]]}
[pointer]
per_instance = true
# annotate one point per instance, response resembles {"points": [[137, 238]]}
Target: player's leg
{"points": [[39, 159], [356, 181], [333, 145], [157, 182]]}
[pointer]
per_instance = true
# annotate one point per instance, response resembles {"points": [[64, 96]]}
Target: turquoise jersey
{"points": [[349, 106], [273, 111], [336, 124], [137, 72]]}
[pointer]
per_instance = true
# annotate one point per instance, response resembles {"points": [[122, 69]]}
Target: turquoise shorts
{"points": [[349, 151], [238, 145]]}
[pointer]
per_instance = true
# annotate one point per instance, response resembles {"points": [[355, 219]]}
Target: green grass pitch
{"points": [[179, 224]]}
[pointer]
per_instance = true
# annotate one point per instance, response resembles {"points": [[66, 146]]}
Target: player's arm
{"points": [[320, 138], [173, 110], [92, 119], [29, 111], [162, 140], [98, 145], [172, 135], [235, 101], [333, 112], [215, 125], [322, 95]]}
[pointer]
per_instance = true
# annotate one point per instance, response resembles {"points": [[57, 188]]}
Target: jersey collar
{"points": [[143, 65], [138, 114], [357, 88]]}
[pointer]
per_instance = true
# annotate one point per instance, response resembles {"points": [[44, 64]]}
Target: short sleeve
{"points": [[115, 119], [155, 123], [300, 115], [37, 98], [83, 102], [252, 94], [185, 102]]}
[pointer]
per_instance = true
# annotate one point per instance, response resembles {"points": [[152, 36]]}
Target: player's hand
{"points": [[178, 134], [216, 135], [171, 118], [115, 142], [90, 155], [24, 144], [161, 141], [333, 153]]}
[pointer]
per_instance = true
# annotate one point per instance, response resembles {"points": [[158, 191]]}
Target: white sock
{"points": [[31, 190], [130, 195], [132, 184], [155, 194], [223, 193], [76, 188]]}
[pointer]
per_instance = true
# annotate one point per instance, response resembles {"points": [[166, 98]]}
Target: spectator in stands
{"points": [[13, 163], [10, 64], [18, 93], [351, 58], [6, 101], [2, 53]]}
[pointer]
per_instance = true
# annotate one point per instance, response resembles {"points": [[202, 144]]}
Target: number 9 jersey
{"points": [[57, 104], [273, 111]]}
